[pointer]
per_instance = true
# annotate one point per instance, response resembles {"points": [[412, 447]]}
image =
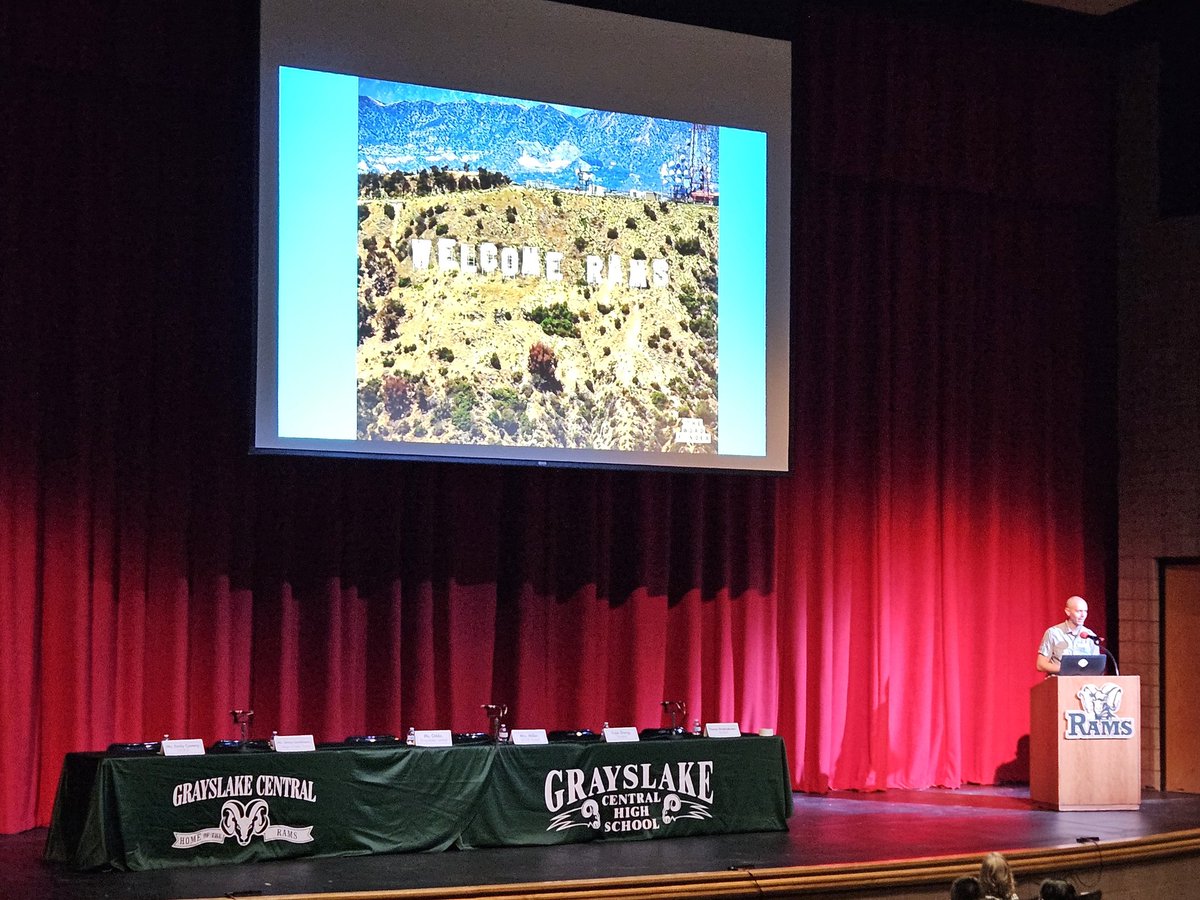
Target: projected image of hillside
{"points": [[532, 275]]}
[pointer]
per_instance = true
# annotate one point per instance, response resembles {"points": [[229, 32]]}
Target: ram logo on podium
{"points": [[1097, 718], [1083, 753]]}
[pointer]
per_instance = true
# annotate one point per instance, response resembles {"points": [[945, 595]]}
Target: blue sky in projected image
{"points": [[531, 142], [395, 91]]}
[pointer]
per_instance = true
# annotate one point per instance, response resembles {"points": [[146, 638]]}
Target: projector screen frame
{"points": [[288, 39]]}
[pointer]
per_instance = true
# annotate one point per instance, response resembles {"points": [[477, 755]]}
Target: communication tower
{"points": [[691, 177], [702, 154]]}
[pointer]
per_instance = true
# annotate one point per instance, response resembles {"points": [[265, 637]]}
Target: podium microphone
{"points": [[1091, 635]]}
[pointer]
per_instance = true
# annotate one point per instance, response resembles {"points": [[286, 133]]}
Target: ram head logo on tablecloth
{"points": [[244, 821]]}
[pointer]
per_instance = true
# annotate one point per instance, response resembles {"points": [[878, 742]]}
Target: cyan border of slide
{"points": [[318, 258], [742, 294]]}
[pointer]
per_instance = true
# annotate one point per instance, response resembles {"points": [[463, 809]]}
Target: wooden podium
{"points": [[1085, 742]]}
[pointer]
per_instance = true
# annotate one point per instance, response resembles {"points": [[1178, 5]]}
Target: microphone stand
{"points": [[1108, 653]]}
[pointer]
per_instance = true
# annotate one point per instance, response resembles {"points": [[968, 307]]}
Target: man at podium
{"points": [[1084, 732], [1066, 638]]}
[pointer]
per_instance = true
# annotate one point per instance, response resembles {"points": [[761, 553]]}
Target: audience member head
{"points": [[1053, 889], [996, 878], [965, 888]]}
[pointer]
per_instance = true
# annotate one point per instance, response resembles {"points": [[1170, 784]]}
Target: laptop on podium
{"points": [[1083, 665]]}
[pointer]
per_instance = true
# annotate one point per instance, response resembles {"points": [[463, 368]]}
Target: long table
{"points": [[147, 812]]}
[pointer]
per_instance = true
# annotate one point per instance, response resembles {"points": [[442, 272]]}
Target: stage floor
{"points": [[839, 829]]}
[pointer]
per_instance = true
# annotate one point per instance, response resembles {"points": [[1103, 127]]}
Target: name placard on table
{"points": [[623, 735], [722, 730], [293, 743], [440, 738], [182, 747], [526, 736]]}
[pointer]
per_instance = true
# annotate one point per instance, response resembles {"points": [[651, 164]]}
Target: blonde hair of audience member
{"points": [[996, 878]]}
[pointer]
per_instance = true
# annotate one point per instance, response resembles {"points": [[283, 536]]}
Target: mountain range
{"points": [[534, 145]]}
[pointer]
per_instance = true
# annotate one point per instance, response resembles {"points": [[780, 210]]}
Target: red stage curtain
{"points": [[879, 607]]}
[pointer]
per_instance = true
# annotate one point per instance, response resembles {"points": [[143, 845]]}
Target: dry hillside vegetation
{"points": [[453, 357]]}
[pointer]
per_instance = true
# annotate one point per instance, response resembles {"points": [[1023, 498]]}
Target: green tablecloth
{"points": [[154, 812], [565, 793]]}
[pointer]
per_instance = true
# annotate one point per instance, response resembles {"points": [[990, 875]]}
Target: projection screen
{"points": [[522, 232]]}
